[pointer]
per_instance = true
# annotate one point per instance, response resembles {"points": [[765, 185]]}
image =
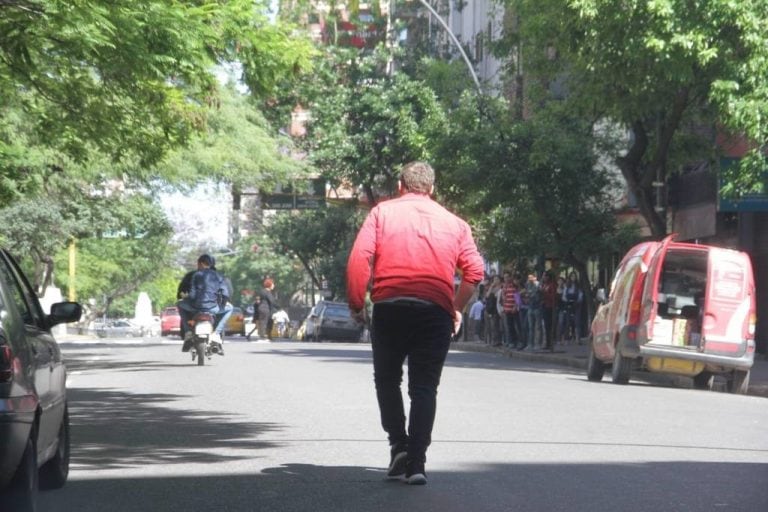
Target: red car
{"points": [[170, 321]]}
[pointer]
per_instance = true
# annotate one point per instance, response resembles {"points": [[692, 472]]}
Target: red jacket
{"points": [[411, 247]]}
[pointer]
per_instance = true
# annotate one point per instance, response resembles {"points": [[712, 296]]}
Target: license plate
{"points": [[679, 366], [203, 328]]}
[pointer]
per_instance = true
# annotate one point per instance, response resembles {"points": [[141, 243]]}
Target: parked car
{"points": [[332, 321], [170, 321], [121, 328], [34, 420], [306, 331], [236, 322], [678, 308]]}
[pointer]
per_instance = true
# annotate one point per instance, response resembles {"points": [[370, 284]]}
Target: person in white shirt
{"points": [[281, 319], [476, 318]]}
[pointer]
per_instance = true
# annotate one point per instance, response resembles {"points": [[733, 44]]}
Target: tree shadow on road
{"points": [[114, 429]]}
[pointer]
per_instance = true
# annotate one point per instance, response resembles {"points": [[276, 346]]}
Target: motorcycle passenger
{"points": [[209, 293]]}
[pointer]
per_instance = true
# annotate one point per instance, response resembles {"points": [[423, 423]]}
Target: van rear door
{"points": [[651, 289], [729, 302]]}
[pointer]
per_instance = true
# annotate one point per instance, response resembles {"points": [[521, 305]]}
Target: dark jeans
{"points": [[422, 334], [548, 315], [515, 329]]}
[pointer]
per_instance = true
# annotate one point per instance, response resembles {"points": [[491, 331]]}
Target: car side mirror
{"points": [[600, 296], [64, 312]]}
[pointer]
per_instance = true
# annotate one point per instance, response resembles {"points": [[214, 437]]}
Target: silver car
{"points": [[34, 421], [333, 321]]}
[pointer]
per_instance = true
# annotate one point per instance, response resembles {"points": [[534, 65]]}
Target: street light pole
{"points": [[455, 42]]}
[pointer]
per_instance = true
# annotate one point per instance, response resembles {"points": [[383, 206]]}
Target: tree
{"points": [[238, 147], [125, 79], [366, 124], [126, 246], [253, 260], [320, 239], [23, 223], [530, 188], [664, 70]]}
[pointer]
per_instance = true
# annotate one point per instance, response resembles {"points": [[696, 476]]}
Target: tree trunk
{"points": [[640, 180], [641, 172]]}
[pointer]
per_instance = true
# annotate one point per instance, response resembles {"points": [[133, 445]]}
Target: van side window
{"points": [[615, 283]]}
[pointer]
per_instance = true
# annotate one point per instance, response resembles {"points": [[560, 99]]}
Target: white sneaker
{"points": [[215, 337]]}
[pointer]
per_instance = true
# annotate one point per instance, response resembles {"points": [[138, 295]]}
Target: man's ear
{"points": [[432, 189], [400, 187]]}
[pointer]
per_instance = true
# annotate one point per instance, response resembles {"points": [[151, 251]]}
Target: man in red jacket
{"points": [[408, 250]]}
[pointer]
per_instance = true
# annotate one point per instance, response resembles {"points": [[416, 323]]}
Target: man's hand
{"points": [[457, 319], [358, 315]]}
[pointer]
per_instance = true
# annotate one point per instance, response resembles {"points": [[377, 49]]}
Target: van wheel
{"points": [[704, 380], [621, 369], [739, 382], [595, 367], [53, 474]]}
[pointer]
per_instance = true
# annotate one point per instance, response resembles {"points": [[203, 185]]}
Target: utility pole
{"points": [[71, 292], [456, 43]]}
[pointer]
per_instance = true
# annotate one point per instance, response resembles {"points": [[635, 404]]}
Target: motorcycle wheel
{"points": [[200, 349]]}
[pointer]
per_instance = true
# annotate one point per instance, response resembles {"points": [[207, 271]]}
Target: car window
{"points": [[23, 296], [620, 272], [337, 312]]}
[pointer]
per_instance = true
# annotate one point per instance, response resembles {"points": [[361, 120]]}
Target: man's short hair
{"points": [[418, 177], [206, 259]]}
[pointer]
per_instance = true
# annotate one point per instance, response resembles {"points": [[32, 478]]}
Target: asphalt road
{"points": [[294, 427]]}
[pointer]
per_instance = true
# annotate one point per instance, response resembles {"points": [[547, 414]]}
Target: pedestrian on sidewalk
{"points": [[492, 314], [476, 318], [534, 327], [548, 304], [416, 308]]}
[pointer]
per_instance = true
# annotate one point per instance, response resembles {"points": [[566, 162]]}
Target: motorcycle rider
{"points": [[208, 293]]}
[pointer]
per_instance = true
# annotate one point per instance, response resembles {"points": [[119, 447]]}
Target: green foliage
{"points": [[128, 245], [661, 68], [237, 147], [530, 187], [321, 240], [125, 79], [161, 290], [366, 124], [448, 79], [255, 259]]}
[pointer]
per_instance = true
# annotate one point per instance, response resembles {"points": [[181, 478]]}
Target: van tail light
{"points": [[7, 363], [752, 324], [636, 302]]}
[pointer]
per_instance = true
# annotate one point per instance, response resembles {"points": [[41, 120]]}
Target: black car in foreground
{"points": [[34, 422]]}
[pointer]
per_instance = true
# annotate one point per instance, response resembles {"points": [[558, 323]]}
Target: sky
{"points": [[207, 207]]}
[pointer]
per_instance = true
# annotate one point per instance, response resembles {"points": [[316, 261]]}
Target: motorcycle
{"points": [[201, 344]]}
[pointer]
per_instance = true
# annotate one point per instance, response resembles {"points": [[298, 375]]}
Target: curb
{"points": [[580, 362]]}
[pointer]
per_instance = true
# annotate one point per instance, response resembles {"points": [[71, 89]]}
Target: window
{"points": [[23, 296]]}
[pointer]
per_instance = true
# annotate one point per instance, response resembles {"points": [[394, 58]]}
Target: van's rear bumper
{"points": [[742, 362], [630, 347]]}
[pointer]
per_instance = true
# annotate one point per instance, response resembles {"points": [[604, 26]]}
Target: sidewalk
{"points": [[575, 356]]}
